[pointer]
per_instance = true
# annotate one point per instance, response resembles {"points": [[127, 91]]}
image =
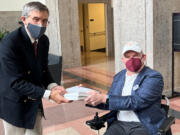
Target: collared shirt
{"points": [[127, 90], [31, 38]]}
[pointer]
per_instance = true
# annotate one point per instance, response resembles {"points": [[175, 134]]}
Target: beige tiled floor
{"points": [[65, 131]]}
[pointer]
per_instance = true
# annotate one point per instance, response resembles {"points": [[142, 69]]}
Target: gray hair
{"points": [[33, 6]]}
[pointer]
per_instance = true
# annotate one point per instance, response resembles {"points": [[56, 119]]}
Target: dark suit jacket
{"points": [[23, 78], [145, 100]]}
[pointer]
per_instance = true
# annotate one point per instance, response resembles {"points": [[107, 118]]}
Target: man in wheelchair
{"points": [[134, 99]]}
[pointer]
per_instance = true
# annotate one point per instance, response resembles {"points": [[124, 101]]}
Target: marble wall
{"points": [[53, 32], [9, 20], [162, 40], [65, 31], [129, 25], [70, 38], [163, 10]]}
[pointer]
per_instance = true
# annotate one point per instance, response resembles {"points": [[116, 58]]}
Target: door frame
{"points": [[109, 24]]}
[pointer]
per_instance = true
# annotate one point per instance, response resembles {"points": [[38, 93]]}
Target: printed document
{"points": [[76, 93]]}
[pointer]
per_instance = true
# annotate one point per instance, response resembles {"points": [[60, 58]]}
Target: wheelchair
{"points": [[165, 129]]}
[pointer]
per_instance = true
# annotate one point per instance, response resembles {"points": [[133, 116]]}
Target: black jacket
{"points": [[23, 78]]}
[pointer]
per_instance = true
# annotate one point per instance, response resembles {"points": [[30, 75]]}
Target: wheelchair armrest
{"points": [[87, 105], [166, 125]]}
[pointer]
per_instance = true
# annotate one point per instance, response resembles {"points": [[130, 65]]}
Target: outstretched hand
{"points": [[61, 89], [57, 96], [95, 98]]}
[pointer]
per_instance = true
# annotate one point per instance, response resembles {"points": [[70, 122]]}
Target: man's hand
{"points": [[95, 98], [60, 88], [57, 97]]}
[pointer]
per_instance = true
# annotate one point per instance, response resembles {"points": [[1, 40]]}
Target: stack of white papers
{"points": [[76, 93]]}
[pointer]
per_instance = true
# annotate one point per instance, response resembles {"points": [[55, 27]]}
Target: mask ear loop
{"points": [[141, 59]]}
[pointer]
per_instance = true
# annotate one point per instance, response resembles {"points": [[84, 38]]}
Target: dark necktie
{"points": [[35, 47]]}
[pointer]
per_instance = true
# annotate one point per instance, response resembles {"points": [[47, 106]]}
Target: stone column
{"points": [[69, 25], [163, 10], [53, 32], [64, 31]]}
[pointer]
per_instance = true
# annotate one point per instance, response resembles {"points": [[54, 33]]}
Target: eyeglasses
{"points": [[36, 20]]}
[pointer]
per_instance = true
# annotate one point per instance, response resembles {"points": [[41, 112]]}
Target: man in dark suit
{"points": [[134, 99], [24, 74]]}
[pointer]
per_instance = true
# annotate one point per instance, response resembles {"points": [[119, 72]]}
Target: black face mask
{"points": [[36, 31]]}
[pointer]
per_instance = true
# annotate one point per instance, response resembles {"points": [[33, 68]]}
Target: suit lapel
{"points": [[138, 80], [29, 51], [121, 83], [27, 43], [118, 85]]}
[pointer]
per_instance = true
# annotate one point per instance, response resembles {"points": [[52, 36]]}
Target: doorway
{"points": [[92, 26], [93, 35]]}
